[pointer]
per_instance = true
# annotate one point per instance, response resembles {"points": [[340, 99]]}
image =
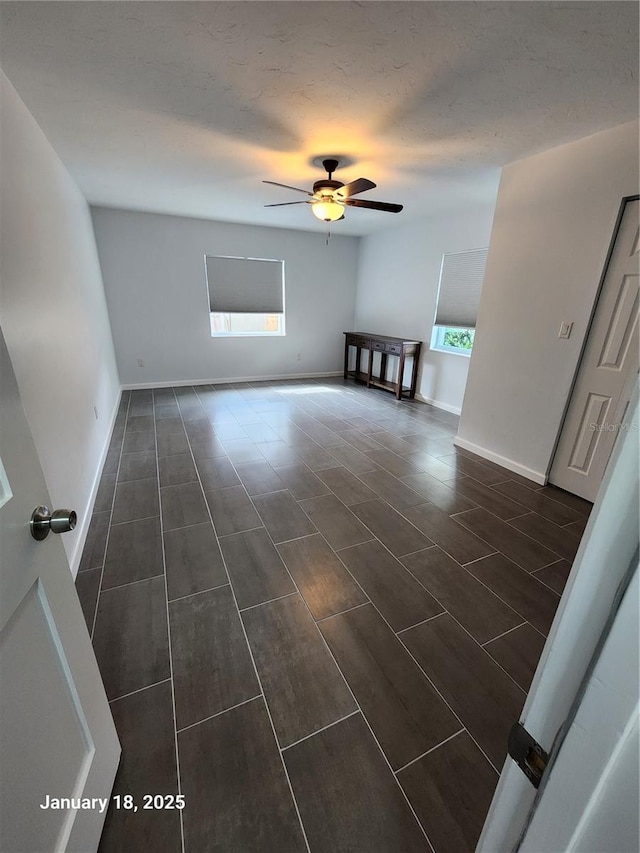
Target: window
{"points": [[461, 275], [246, 296]]}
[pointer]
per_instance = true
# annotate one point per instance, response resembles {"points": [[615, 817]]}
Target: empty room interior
{"points": [[318, 435]]}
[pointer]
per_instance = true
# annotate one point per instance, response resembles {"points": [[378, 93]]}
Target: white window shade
{"points": [[245, 285], [461, 279]]}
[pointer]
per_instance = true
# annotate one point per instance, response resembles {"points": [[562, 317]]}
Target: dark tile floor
{"points": [[315, 618]]}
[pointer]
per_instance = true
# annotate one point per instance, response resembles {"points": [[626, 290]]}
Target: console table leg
{"points": [[400, 377]]}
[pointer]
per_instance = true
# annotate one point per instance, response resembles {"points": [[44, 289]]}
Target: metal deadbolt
{"points": [[43, 521]]}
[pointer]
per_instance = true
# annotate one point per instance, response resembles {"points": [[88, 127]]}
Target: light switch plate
{"points": [[565, 330]]}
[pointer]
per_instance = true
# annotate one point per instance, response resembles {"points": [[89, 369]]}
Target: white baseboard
{"points": [[181, 383], [537, 476], [455, 410], [83, 528]]}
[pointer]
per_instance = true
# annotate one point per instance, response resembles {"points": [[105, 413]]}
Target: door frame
{"points": [[610, 540], [616, 229]]}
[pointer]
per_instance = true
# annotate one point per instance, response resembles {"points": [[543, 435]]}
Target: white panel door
{"points": [[57, 738], [607, 370]]}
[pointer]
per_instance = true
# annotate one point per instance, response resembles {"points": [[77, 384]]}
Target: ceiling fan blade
{"points": [[373, 205], [287, 187], [355, 187], [285, 203]]}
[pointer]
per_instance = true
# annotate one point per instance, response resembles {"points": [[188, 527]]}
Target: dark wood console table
{"points": [[386, 346]]}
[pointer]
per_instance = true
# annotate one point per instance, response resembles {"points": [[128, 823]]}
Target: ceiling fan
{"points": [[330, 198]]}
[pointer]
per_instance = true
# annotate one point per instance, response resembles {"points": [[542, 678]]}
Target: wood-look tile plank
{"points": [[278, 453], [555, 575], [399, 466], [325, 584], [301, 481], [534, 500], [177, 469], [482, 695], [134, 552], [193, 560], [104, 494], [464, 465], [346, 486], [487, 497], [428, 464], [183, 505], [394, 491], [577, 527], [112, 461], [241, 450], [558, 539], [347, 795], [518, 652], [217, 473], [302, 684], [172, 443], [451, 790], [579, 505], [136, 499], [137, 442], [87, 587], [170, 426], [256, 570], [232, 762], [282, 516], [139, 423], [390, 527], [96, 542], [441, 494], [520, 590], [524, 551], [137, 466], [130, 638], [337, 523], [360, 440], [207, 447], [404, 711], [352, 459], [212, 668], [392, 442], [144, 722], [232, 510], [462, 545], [394, 591], [259, 477], [466, 599]]}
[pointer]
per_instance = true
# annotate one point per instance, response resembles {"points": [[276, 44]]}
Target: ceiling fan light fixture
{"points": [[327, 210]]}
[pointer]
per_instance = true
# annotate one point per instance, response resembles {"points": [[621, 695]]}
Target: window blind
{"points": [[245, 285], [461, 278]]}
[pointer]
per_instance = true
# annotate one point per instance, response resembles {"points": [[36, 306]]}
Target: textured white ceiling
{"points": [[182, 107]]}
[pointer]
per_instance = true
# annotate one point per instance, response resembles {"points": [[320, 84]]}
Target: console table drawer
{"points": [[378, 345], [395, 349]]}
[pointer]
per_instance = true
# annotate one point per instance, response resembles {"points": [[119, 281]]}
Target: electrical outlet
{"points": [[565, 330], [141, 362], [299, 357]]}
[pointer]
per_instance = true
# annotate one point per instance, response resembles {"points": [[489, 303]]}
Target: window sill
{"points": [[248, 334], [452, 351]]}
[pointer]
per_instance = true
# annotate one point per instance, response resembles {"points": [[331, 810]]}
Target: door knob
{"points": [[44, 521]]}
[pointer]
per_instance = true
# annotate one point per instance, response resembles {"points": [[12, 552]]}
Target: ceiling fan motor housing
{"points": [[326, 184]]}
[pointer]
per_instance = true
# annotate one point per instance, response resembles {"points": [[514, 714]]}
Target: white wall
{"points": [[54, 315], [553, 223], [398, 284], [153, 269]]}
